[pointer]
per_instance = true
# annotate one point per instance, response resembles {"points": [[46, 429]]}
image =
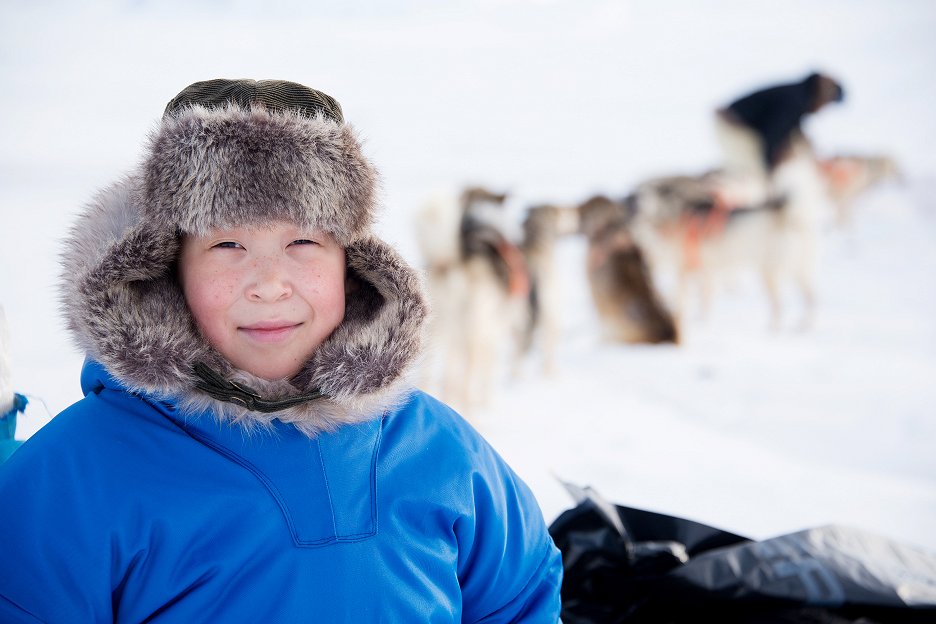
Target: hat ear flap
{"points": [[134, 312]]}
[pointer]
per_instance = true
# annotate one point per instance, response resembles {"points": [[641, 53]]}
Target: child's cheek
{"points": [[227, 284]]}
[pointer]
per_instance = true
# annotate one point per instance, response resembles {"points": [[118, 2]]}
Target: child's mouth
{"points": [[269, 332]]}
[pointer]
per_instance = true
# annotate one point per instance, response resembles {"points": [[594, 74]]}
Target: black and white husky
{"points": [[479, 286]]}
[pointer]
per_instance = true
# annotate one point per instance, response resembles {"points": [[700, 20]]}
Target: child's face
{"points": [[265, 298]]}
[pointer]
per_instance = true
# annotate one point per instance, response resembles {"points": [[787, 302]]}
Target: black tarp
{"points": [[630, 565]]}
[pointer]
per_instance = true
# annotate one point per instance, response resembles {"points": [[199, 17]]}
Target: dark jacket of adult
{"points": [[775, 113]]}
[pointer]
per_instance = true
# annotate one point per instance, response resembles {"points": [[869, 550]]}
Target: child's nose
{"points": [[271, 281]]}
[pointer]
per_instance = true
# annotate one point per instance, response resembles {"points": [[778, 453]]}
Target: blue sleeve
{"points": [[54, 560], [509, 568]]}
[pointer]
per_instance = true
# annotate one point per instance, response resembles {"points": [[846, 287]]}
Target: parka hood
{"points": [[226, 166]]}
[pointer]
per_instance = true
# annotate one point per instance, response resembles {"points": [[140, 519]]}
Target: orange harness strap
{"points": [[699, 227], [839, 171], [518, 280]]}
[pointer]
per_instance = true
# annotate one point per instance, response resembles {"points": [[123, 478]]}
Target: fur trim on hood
{"points": [[123, 304]]}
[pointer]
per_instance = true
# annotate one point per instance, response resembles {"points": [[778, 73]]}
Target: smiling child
{"points": [[249, 447]]}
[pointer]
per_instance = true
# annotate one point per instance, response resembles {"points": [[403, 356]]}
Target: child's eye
{"points": [[303, 241], [228, 245]]}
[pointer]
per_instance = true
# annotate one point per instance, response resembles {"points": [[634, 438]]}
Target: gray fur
{"points": [[226, 167], [124, 306]]}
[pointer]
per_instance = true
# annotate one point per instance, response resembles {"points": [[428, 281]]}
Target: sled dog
{"points": [[479, 285], [708, 228], [544, 226], [849, 176], [622, 288]]}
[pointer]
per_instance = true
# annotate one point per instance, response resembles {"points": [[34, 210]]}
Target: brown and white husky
{"points": [[621, 285]]}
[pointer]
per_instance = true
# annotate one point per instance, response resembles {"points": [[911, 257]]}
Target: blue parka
{"points": [[122, 510]]}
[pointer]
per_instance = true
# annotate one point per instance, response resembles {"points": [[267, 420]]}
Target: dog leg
{"points": [[809, 306], [455, 375], [808, 291], [683, 295], [549, 343], [549, 325], [772, 285], [706, 287], [485, 331], [804, 275], [482, 364], [522, 335]]}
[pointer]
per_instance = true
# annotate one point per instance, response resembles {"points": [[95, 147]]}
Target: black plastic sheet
{"points": [[629, 565]]}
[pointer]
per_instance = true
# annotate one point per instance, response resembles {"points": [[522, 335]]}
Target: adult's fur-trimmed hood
{"points": [[227, 166]]}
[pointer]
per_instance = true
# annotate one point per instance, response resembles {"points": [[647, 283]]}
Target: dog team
{"points": [[495, 289]]}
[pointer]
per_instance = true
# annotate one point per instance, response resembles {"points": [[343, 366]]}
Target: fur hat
{"points": [[232, 153], [245, 152]]}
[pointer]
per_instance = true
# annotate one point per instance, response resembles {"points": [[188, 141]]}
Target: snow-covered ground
{"points": [[756, 432]]}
